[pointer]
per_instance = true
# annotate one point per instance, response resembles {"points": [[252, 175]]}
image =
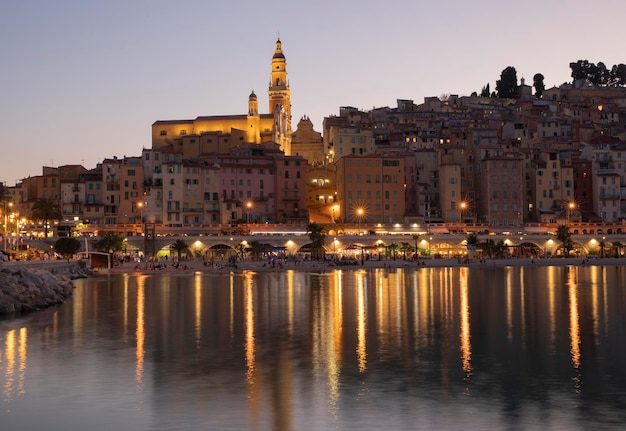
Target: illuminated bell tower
{"points": [[278, 91]]}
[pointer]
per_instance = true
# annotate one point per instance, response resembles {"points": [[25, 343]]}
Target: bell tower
{"points": [[278, 91]]}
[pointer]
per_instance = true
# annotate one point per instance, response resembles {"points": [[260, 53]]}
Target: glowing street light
{"points": [[248, 209], [462, 208], [570, 207], [359, 213]]}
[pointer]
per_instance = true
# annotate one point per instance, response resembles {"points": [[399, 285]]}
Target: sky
{"points": [[83, 80]]}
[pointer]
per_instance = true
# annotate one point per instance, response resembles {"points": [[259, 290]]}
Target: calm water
{"points": [[482, 348]]}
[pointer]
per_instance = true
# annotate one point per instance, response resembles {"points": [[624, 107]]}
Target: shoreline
{"points": [[193, 266]]}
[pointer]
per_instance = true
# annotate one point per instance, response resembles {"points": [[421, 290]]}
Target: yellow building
{"points": [[219, 134], [371, 189]]}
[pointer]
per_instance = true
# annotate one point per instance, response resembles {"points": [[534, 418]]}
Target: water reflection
{"points": [[356, 349]]}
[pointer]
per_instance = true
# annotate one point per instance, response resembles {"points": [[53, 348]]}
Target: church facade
{"points": [[209, 135]]}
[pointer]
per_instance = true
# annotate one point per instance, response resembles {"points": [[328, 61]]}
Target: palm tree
{"points": [[564, 235], [179, 246], [317, 237], [405, 247], [416, 238], [472, 242], [602, 245], [46, 210]]}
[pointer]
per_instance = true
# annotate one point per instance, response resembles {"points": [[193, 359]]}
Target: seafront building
{"points": [[466, 163]]}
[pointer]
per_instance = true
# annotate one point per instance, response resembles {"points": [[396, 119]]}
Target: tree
{"points": [[539, 85], [67, 246], [111, 242], [580, 70], [471, 241], [318, 237], [179, 246], [485, 92], [255, 248], [46, 210], [564, 235], [506, 86], [416, 237], [618, 75], [617, 246], [405, 246]]}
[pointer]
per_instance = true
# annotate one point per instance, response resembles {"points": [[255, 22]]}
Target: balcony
{"points": [[609, 196]]}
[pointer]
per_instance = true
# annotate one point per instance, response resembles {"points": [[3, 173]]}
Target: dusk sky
{"points": [[81, 81]]}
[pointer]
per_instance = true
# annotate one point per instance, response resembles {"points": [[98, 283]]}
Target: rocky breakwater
{"points": [[30, 287]]}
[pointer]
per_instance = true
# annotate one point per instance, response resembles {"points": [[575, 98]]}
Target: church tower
{"points": [[278, 91], [280, 100]]}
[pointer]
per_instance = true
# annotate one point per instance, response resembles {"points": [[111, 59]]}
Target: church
{"points": [[219, 134]]}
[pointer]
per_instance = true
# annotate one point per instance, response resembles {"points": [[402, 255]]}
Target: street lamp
{"points": [[462, 207], [570, 207], [359, 213], [140, 206], [248, 207]]}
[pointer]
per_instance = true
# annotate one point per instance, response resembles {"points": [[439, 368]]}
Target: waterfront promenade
{"points": [[190, 266]]}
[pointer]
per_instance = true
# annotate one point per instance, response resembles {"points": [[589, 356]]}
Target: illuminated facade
{"points": [[206, 135]]}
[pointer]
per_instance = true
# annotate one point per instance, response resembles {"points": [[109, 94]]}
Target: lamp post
{"points": [[248, 208], [462, 206], [570, 207], [140, 206], [359, 213]]}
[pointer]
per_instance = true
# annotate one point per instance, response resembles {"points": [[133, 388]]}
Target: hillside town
{"points": [[457, 163]]}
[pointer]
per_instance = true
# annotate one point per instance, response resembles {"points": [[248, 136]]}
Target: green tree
{"points": [[318, 238], [111, 242], [471, 241], [67, 246], [405, 246], [46, 210], [564, 235], [506, 86], [539, 85], [179, 246]]}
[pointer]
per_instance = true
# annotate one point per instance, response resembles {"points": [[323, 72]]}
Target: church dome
{"points": [[252, 96]]}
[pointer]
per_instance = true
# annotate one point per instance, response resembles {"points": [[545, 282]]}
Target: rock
{"points": [[24, 288]]}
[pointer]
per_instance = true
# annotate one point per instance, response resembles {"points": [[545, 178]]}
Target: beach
{"points": [[192, 266]]}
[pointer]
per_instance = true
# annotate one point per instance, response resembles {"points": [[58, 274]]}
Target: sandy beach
{"points": [[192, 266]]}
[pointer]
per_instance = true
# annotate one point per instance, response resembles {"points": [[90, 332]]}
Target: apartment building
{"points": [[371, 189]]}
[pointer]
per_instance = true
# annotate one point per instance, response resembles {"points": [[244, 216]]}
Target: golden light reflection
{"points": [[290, 301], [197, 290], [574, 320], [140, 332], [509, 306], [9, 368], [326, 336], [23, 347], [250, 346], [552, 304], [361, 325], [465, 333]]}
